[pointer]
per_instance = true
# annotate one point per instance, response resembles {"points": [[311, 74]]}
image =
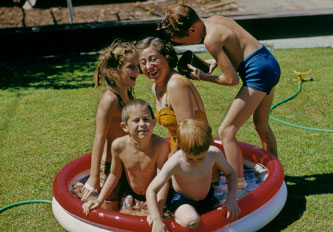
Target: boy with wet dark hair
{"points": [[234, 51]]}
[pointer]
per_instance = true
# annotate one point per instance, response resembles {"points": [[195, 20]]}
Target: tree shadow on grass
{"points": [[42, 73], [298, 188]]}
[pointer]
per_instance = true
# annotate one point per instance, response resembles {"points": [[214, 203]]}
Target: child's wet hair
{"points": [[177, 21], [113, 57], [163, 47], [132, 105], [194, 136]]}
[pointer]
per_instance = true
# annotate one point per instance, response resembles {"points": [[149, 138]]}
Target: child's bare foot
{"points": [[241, 183]]}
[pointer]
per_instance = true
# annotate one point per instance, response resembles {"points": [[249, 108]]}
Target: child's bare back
{"points": [[225, 32]]}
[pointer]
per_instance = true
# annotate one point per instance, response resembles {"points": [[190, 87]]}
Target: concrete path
{"points": [[306, 42], [268, 6]]}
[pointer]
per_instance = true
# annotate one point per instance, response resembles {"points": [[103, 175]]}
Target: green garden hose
{"points": [[299, 81], [22, 203]]}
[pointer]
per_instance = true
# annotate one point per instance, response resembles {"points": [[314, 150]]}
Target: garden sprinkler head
{"points": [[299, 78]]}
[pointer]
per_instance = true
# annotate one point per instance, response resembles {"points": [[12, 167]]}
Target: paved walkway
{"points": [[306, 42], [266, 6]]}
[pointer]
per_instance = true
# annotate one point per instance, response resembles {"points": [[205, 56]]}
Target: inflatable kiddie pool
{"points": [[258, 207]]}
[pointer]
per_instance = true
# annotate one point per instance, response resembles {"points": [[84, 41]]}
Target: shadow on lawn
{"points": [[64, 73], [298, 188]]}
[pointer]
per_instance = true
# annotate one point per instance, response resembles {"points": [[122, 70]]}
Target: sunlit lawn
{"points": [[48, 119]]}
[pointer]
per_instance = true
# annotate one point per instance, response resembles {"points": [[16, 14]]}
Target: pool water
{"points": [[252, 177]]}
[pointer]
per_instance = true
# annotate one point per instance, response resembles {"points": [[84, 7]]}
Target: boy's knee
{"points": [[189, 221], [187, 216], [193, 224]]}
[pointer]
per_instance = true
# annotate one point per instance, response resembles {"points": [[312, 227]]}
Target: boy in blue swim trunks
{"points": [[234, 50], [190, 170]]}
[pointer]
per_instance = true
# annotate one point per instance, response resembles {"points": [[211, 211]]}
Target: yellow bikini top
{"points": [[167, 118]]}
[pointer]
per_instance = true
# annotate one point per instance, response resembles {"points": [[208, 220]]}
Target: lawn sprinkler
{"points": [[299, 78]]}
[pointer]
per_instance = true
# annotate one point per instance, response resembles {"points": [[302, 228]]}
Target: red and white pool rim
{"points": [[258, 208]]}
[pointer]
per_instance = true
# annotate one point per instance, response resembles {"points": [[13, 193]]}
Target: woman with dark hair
{"points": [[176, 97]]}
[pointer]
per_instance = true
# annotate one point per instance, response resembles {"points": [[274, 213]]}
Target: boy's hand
{"points": [[158, 226], [90, 205], [232, 209], [195, 72], [149, 220], [212, 65]]}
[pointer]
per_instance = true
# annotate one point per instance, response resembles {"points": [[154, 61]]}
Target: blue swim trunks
{"points": [[260, 70], [203, 206]]}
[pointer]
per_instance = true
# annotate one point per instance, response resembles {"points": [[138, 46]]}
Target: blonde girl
{"points": [[116, 72]]}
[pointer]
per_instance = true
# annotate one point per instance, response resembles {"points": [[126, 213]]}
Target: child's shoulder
{"points": [[216, 154], [120, 142], [214, 150], [177, 157], [216, 19], [159, 141], [108, 99]]}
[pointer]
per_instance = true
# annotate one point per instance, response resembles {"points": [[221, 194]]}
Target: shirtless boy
{"points": [[140, 153], [234, 50], [190, 170]]}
